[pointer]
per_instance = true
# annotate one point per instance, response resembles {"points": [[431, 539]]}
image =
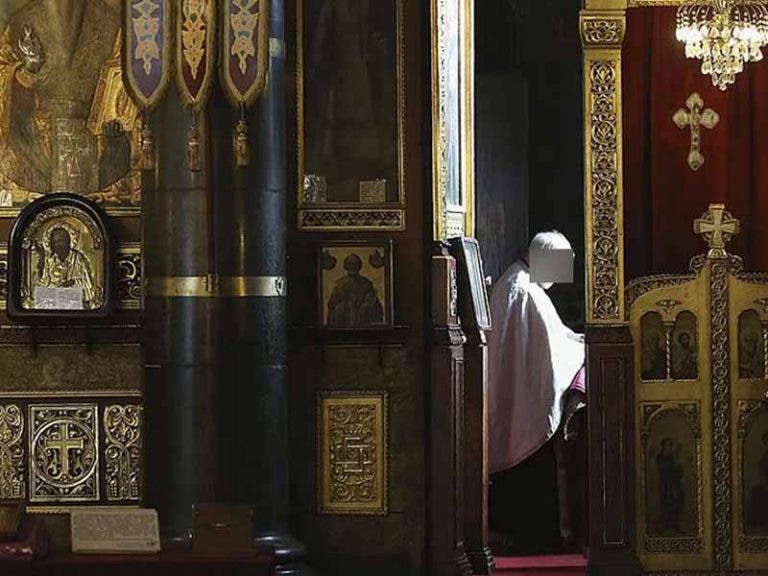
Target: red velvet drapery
{"points": [[663, 195]]}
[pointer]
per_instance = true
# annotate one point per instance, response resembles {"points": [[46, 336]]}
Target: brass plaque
{"points": [[63, 453], [353, 452]]}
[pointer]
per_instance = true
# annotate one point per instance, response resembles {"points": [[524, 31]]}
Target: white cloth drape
{"points": [[532, 360]]}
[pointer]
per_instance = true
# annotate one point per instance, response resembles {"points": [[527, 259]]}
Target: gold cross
{"points": [[694, 118], [717, 227], [63, 445]]}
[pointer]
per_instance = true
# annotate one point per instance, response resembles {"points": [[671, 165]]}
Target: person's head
{"points": [[353, 264], [545, 241], [60, 242]]}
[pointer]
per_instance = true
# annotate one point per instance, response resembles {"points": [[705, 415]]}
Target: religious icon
{"points": [[58, 258], [66, 121], [751, 346], [654, 351], [355, 285], [755, 475], [684, 348], [671, 476], [468, 254], [350, 94]]}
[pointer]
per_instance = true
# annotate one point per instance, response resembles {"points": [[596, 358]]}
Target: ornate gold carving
{"points": [[11, 453], [329, 219], [603, 193], [668, 305], [640, 286], [123, 451], [129, 279], [146, 28], [193, 33], [717, 227], [597, 31], [244, 24], [721, 406], [64, 453], [51, 370], [353, 452], [694, 118]]}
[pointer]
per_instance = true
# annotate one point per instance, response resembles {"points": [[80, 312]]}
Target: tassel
{"points": [[241, 144], [147, 147], [193, 148]]}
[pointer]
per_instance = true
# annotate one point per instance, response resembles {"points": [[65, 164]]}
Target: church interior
{"points": [[384, 287]]}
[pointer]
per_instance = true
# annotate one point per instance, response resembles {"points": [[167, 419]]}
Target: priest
{"points": [[536, 364]]}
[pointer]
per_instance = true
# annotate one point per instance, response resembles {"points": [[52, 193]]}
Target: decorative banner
{"points": [[195, 49], [146, 60], [245, 49], [146, 49]]}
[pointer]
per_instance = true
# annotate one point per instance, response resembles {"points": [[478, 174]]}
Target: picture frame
{"points": [[467, 252], [366, 189], [453, 103], [60, 260], [354, 291]]}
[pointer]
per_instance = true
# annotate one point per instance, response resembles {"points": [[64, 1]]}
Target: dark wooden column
{"points": [[250, 239], [610, 394], [476, 452], [179, 352], [446, 498], [474, 430]]}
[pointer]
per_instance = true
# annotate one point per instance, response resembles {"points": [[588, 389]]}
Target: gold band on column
{"points": [[212, 286], [249, 286]]}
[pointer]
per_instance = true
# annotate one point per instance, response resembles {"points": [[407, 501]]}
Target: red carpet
{"points": [[541, 565]]}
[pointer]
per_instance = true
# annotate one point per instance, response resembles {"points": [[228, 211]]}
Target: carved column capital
{"points": [[602, 29]]}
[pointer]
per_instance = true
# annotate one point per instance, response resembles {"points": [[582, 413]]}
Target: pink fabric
{"points": [[579, 381]]}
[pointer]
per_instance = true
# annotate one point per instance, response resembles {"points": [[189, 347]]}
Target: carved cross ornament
{"points": [[694, 118], [717, 227]]}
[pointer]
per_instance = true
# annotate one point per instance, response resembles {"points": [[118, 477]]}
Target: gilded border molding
{"points": [[721, 411], [602, 33], [12, 486], [351, 219], [353, 452]]}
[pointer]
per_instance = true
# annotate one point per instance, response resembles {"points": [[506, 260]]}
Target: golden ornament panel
{"points": [[353, 456]]}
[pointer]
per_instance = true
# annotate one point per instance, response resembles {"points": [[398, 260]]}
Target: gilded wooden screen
{"points": [[701, 419]]}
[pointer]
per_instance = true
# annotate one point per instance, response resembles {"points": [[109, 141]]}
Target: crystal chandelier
{"points": [[723, 34]]}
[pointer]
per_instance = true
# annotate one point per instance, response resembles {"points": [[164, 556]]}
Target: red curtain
{"points": [[663, 195]]}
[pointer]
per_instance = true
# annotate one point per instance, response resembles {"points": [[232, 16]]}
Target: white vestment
{"points": [[532, 360]]}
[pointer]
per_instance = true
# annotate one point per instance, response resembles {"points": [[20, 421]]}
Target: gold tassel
{"points": [[240, 140], [147, 147], [241, 143], [193, 148]]}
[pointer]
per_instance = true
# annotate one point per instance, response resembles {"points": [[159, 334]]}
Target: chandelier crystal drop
{"points": [[723, 34]]}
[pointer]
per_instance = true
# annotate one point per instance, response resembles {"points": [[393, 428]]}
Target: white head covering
{"points": [[549, 240]]}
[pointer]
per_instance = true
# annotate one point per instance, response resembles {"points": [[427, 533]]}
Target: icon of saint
{"points": [[757, 509], [671, 492], [354, 302], [685, 367], [63, 108], [62, 265]]}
